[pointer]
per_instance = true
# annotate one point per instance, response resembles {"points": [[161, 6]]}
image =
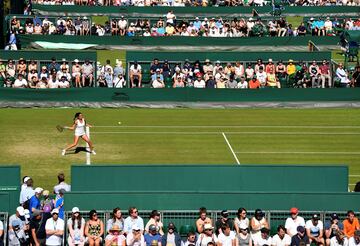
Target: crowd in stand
{"points": [[41, 220], [171, 26], [30, 74], [202, 3], [237, 75]]}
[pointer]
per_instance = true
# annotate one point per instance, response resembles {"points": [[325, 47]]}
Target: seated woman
{"points": [[272, 81], [116, 219], [76, 226], [155, 220], [257, 223], [94, 229]]}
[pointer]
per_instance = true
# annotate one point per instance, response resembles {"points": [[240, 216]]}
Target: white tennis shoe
{"points": [[93, 152], [63, 152]]}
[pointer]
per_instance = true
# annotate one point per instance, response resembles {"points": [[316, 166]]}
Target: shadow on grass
{"points": [[77, 150]]}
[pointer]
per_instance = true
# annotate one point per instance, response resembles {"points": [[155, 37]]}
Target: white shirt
{"points": [[334, 242], [122, 24], [226, 240], [199, 84], [20, 83], [291, 225], [129, 222], [243, 85], [130, 237], [342, 75], [118, 83], [261, 77], [60, 186], [276, 241], [136, 71], [53, 84], [352, 242], [64, 84], [259, 241], [54, 225], [1, 226], [314, 229], [26, 194], [203, 240], [157, 84]]}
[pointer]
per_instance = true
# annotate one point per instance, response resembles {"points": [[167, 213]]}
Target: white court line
{"points": [[232, 151], [298, 152], [245, 126], [355, 176], [240, 133]]}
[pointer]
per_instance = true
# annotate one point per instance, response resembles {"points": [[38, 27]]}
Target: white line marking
{"points": [[88, 158], [232, 151], [243, 133], [245, 126], [298, 152], [355, 176]]}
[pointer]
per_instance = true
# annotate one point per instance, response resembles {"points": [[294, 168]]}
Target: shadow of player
{"points": [[78, 150]]}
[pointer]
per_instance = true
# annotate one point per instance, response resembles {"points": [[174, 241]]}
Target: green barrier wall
{"points": [[47, 55], [171, 200], [5, 204], [179, 95], [210, 178], [114, 41], [191, 10], [227, 56], [9, 183]]}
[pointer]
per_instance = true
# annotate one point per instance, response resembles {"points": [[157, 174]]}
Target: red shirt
{"points": [[270, 68], [324, 69]]}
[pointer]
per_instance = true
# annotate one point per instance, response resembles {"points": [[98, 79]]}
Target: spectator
{"points": [[355, 80], [34, 203], [224, 220], [342, 76], [59, 203], [119, 81], [115, 237], [243, 237], [332, 227], [156, 74], [281, 238], [263, 238], [199, 82], [257, 223], [171, 237], [202, 220], [87, 71], [17, 234], [27, 193], [135, 237], [325, 74], [339, 239], [135, 75], [314, 72], [300, 238], [118, 69], [315, 230], [351, 224], [227, 236], [158, 82], [261, 76], [231, 83], [53, 65], [1, 233], [355, 240], [20, 82], [64, 83], [155, 220], [254, 83], [152, 238], [243, 84], [37, 228], [47, 201], [54, 229], [61, 184], [207, 236], [250, 72], [190, 240], [94, 229], [293, 222], [241, 221], [133, 219], [116, 219], [76, 73]]}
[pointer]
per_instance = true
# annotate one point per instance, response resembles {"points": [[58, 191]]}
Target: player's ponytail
{"points": [[76, 115]]}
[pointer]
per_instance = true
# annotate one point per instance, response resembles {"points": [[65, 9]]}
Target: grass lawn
{"points": [[185, 136]]}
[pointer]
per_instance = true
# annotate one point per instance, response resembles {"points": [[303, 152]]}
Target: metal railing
{"points": [[4, 218]]}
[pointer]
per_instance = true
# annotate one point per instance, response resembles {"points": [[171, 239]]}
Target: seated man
{"points": [[293, 222], [300, 237], [135, 75], [207, 236], [87, 71], [158, 82], [315, 230], [355, 240], [153, 238], [281, 238], [202, 220], [227, 236], [332, 227], [263, 238]]}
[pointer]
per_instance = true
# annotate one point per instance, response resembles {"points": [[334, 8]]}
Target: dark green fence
{"points": [[9, 184], [279, 178]]}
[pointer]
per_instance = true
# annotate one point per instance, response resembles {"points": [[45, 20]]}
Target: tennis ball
{"points": [[119, 122]]}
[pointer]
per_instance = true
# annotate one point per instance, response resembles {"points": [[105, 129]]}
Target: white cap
{"points": [[76, 60], [39, 190], [26, 179], [55, 211], [75, 210], [20, 210], [135, 227]]}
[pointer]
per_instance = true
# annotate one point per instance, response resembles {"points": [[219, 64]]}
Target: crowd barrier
{"points": [[9, 187], [278, 178]]}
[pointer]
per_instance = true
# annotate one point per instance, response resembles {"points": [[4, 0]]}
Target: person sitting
{"points": [[263, 238], [116, 219], [152, 238], [171, 237], [300, 238], [314, 230], [76, 225], [257, 223], [207, 236], [115, 238], [281, 238], [155, 220], [94, 229]]}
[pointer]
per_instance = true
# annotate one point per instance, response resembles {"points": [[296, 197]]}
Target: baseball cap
{"points": [[208, 227], [300, 229], [294, 210], [39, 190], [55, 211], [152, 228], [157, 70], [20, 210], [334, 216], [26, 179], [224, 213], [46, 193], [135, 228], [75, 210], [315, 217]]}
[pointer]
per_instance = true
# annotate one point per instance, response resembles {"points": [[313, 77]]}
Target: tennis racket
{"points": [[60, 128]]}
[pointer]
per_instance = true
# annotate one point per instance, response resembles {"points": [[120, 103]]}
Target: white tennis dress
{"points": [[80, 128]]}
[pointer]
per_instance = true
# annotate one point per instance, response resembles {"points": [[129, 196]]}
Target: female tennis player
{"points": [[79, 128]]}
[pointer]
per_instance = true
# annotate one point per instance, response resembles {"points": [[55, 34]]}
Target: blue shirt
{"points": [[61, 209], [34, 203], [161, 31], [12, 39], [154, 76], [149, 238], [197, 24]]}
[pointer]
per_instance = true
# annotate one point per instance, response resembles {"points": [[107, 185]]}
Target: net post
{"points": [[88, 158]]}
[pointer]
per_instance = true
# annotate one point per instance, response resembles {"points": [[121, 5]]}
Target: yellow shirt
{"points": [[290, 69]]}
